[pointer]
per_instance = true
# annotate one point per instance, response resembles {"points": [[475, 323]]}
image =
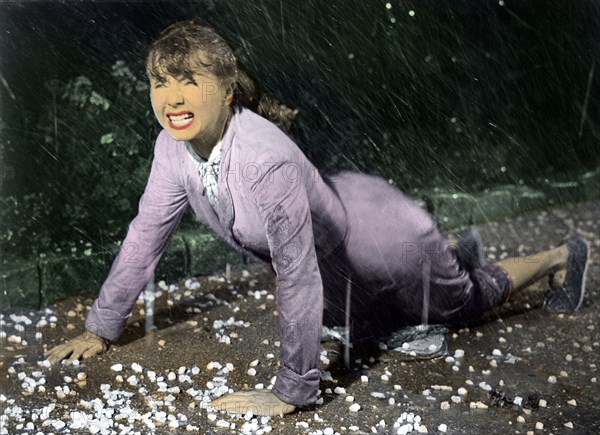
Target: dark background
{"points": [[462, 95]]}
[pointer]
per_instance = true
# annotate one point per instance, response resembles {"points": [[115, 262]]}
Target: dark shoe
{"points": [[470, 249], [420, 342], [568, 299]]}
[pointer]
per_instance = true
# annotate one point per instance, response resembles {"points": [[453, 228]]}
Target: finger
{"points": [[58, 354], [54, 349], [258, 402], [74, 355], [94, 350]]}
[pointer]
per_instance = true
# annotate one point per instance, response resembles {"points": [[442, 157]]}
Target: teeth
{"points": [[180, 120], [183, 117]]}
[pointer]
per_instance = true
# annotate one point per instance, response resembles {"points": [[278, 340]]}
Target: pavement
{"points": [[519, 369]]}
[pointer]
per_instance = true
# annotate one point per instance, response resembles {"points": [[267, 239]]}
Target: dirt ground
{"points": [[520, 369]]}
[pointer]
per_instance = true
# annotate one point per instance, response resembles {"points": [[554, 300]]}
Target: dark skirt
{"points": [[397, 268]]}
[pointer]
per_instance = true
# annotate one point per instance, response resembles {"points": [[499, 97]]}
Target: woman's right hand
{"points": [[84, 346]]}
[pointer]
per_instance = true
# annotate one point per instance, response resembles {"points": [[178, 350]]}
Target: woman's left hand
{"points": [[259, 402]]}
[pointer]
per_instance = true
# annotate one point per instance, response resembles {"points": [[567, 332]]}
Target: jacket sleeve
{"points": [[283, 204], [161, 208]]}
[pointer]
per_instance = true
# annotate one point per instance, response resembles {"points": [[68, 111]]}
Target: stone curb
{"points": [[32, 284], [37, 283]]}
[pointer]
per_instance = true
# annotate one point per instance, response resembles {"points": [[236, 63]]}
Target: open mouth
{"points": [[181, 120]]}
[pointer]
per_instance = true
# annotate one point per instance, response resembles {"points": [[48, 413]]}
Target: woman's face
{"points": [[190, 109]]}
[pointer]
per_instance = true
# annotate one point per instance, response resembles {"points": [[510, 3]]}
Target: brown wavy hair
{"points": [[189, 46]]}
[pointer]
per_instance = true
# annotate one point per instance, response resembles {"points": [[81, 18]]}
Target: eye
{"points": [[190, 82]]}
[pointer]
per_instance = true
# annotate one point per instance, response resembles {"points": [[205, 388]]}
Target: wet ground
{"points": [[520, 369]]}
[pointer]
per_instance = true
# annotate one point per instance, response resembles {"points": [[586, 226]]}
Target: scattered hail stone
{"points": [[391, 401], [486, 372], [521, 419], [478, 405], [117, 367], [132, 380], [455, 399], [442, 427], [462, 391], [354, 407], [137, 368], [353, 428], [484, 386], [542, 403], [254, 363], [161, 342], [339, 390], [328, 431], [569, 358], [270, 356], [326, 376], [378, 395], [426, 392], [471, 369], [552, 379], [563, 374], [569, 425], [449, 359], [593, 380], [385, 378], [442, 387], [501, 383], [259, 386], [572, 402], [171, 376], [445, 405], [459, 353], [195, 370], [328, 391], [319, 401], [539, 425], [252, 371], [518, 401], [222, 423], [119, 378], [364, 378], [14, 339]]}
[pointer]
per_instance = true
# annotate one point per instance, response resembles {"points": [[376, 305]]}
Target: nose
{"points": [[175, 97]]}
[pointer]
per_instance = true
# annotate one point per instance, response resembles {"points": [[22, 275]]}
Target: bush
{"points": [[91, 150]]}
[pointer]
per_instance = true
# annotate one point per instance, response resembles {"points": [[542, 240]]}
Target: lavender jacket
{"points": [[274, 205]]}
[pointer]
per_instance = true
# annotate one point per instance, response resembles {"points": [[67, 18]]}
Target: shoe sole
{"points": [[470, 249], [561, 301]]}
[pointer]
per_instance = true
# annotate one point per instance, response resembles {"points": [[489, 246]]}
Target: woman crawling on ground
{"points": [[348, 248]]}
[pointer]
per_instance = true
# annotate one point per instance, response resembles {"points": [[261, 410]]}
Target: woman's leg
{"points": [[523, 271]]}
